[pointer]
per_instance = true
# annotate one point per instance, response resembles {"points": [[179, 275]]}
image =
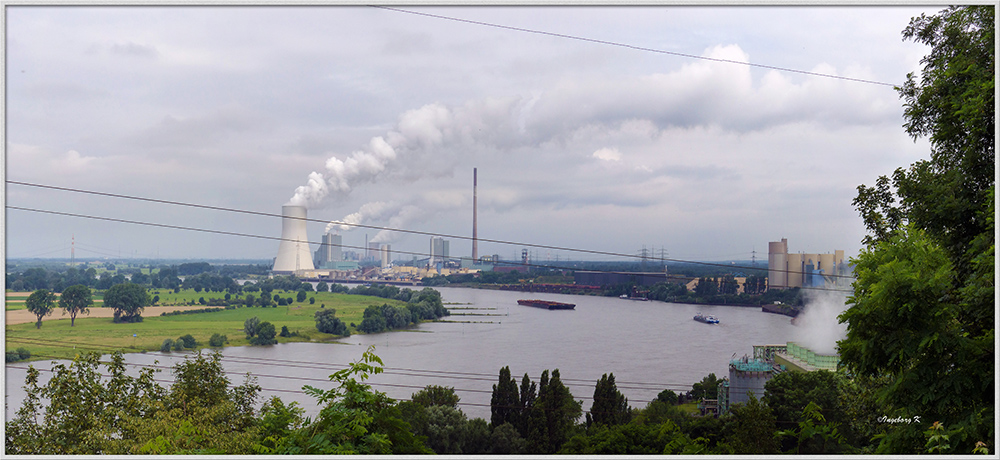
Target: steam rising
{"points": [[818, 327], [432, 130]]}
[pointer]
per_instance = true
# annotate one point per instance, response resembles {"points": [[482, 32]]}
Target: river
{"points": [[649, 346]]}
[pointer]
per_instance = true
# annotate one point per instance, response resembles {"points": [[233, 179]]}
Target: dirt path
{"points": [[25, 316]]}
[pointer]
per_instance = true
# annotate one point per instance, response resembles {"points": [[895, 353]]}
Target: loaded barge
{"points": [[706, 319], [547, 304]]}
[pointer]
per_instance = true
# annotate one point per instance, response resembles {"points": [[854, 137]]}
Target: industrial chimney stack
{"points": [[475, 232], [293, 251]]}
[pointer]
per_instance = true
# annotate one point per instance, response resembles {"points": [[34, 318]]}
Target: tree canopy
{"points": [[128, 300], [74, 300], [921, 322], [40, 303]]}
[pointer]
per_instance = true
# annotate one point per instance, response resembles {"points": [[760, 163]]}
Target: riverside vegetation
{"points": [[286, 303]]}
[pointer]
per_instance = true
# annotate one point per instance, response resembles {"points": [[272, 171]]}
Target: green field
{"points": [[56, 339]]}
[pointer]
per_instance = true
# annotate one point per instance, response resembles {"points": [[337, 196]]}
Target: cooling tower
{"points": [[293, 252]]}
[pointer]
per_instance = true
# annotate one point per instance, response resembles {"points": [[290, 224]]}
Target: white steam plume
{"points": [[818, 327], [373, 211], [433, 129], [406, 216]]}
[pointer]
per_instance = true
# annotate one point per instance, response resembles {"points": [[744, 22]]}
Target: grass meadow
{"points": [[57, 340]]}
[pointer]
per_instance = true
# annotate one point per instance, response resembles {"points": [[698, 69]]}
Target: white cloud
{"points": [[607, 154]]}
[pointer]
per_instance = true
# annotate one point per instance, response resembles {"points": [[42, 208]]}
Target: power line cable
{"points": [[375, 227], [333, 367], [633, 47]]}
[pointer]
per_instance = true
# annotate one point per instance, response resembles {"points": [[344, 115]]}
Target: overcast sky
{"points": [[378, 115]]}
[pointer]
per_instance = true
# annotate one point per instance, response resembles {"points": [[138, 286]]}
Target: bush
{"points": [[312, 300], [284, 332], [20, 354], [217, 340], [265, 335], [178, 345], [326, 321], [167, 345], [188, 341]]}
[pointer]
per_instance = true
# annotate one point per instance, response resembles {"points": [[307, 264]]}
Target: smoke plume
{"points": [[818, 327], [432, 131]]}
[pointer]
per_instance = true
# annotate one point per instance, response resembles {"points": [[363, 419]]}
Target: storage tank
{"points": [[777, 264], [748, 376], [293, 251]]}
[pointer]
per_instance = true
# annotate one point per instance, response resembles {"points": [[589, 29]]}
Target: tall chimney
{"points": [[293, 251], [475, 230]]}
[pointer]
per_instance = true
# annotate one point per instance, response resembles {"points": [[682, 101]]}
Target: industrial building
{"points": [[588, 278], [439, 251], [802, 270], [749, 374], [293, 251]]}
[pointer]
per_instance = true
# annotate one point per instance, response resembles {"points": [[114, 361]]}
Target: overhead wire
{"points": [[633, 47], [333, 367], [376, 227]]}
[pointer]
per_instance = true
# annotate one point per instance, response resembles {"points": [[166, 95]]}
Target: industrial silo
{"points": [[748, 375], [293, 251]]}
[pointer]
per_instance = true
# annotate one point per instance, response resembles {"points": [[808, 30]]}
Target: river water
{"points": [[648, 346]]}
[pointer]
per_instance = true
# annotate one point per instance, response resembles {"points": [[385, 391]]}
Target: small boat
{"points": [[626, 297], [547, 304], [706, 319]]}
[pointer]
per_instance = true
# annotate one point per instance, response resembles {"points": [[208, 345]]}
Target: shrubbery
{"points": [[217, 340], [327, 321], [20, 354]]}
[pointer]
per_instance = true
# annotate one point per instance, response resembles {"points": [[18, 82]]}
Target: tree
{"points": [[926, 276], [753, 428], [505, 402], [435, 395], [667, 397], [301, 295], [265, 334], [322, 287], [74, 300], [40, 303], [707, 388], [327, 322], [128, 300], [610, 406], [553, 415], [250, 327], [353, 419]]}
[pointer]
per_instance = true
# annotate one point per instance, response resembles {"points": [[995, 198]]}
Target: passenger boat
{"points": [[706, 319]]}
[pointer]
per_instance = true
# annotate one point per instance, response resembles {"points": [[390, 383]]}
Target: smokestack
{"points": [[293, 251], [475, 231]]}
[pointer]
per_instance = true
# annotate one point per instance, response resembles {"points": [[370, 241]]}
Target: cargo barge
{"points": [[547, 304]]}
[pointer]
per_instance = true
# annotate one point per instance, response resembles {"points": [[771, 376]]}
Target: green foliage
{"points": [[250, 327], [552, 418], [667, 397], [188, 341], [505, 404], [610, 406], [327, 322], [814, 435], [436, 395], [167, 345], [40, 303], [301, 295], [921, 326], [75, 300], [128, 300], [217, 340], [354, 419], [265, 334], [21, 354], [753, 428], [788, 394], [707, 388]]}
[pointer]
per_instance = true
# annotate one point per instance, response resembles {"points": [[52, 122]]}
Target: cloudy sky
{"points": [[379, 116]]}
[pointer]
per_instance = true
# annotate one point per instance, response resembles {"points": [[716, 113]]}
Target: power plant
{"points": [[293, 251], [802, 270]]}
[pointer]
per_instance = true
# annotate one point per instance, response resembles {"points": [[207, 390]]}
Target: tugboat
{"points": [[547, 304], [706, 319]]}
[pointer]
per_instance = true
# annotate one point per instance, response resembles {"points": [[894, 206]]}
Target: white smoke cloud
{"points": [[818, 327], [369, 212], [407, 215]]}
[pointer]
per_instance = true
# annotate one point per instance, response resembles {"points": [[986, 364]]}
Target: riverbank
{"points": [[96, 331]]}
